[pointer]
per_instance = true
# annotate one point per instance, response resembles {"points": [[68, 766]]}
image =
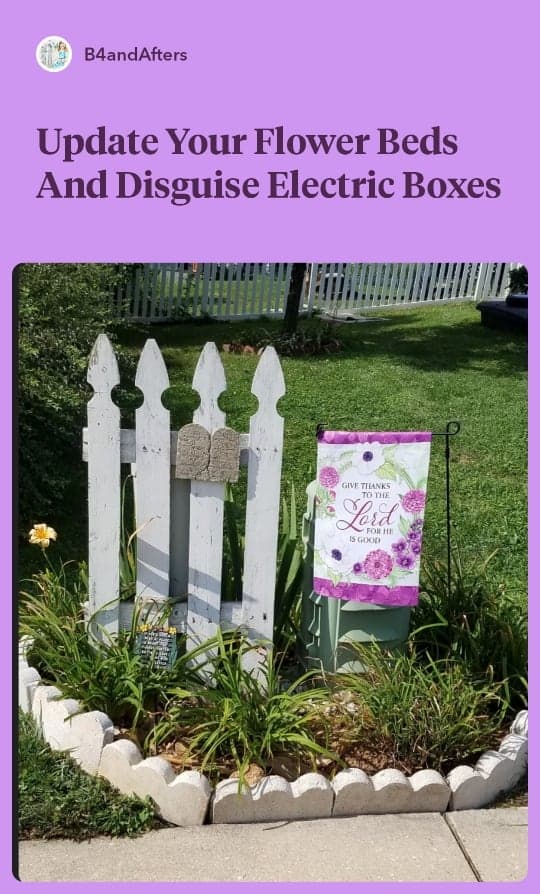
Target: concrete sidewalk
{"points": [[473, 845]]}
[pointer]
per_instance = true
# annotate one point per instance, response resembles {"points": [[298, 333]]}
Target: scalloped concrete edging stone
{"points": [[180, 799], [273, 798], [184, 799]]}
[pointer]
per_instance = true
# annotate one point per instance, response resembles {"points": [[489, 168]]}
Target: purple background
{"points": [[312, 66]]}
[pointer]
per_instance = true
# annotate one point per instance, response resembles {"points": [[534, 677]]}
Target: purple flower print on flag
{"points": [[414, 536], [368, 460], [370, 483], [325, 589], [406, 561], [378, 564], [414, 501], [328, 476]]}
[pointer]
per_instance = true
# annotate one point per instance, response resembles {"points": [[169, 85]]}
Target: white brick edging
{"points": [[273, 798], [494, 773], [184, 799]]}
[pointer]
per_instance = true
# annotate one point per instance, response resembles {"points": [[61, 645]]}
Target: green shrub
{"points": [[475, 623], [58, 800], [102, 674], [251, 720], [518, 281], [62, 308], [432, 711]]}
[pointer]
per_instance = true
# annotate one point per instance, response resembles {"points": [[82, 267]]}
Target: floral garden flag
{"points": [[370, 500]]}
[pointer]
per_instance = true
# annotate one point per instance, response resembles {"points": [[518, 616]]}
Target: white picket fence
{"points": [[179, 523], [354, 288], [167, 292]]}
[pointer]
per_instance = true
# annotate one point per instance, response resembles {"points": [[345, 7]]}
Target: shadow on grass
{"points": [[411, 338], [445, 348]]}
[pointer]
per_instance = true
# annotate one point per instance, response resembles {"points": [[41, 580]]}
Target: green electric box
{"points": [[329, 625]]}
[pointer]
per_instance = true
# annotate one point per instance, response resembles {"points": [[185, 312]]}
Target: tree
{"points": [[296, 288]]}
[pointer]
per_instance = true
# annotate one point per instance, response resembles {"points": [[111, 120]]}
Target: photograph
{"points": [[272, 568]]}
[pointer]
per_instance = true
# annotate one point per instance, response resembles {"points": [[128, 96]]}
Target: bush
{"points": [[310, 339], [518, 281], [249, 720], [103, 675], [475, 623], [433, 712], [62, 308]]}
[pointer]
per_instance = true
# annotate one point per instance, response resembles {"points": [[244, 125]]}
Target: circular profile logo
{"points": [[53, 53]]}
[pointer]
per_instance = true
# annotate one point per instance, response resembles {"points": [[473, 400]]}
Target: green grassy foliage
{"points": [[289, 566], [101, 673], [242, 717], [432, 711], [475, 623], [58, 800]]}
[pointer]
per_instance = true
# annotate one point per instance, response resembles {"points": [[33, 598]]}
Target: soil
{"points": [[373, 753]]}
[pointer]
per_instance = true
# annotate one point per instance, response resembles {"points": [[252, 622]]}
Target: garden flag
{"points": [[370, 500]]}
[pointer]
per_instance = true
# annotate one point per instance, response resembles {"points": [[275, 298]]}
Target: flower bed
{"points": [[189, 799]]}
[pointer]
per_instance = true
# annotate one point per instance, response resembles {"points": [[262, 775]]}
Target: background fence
{"points": [[179, 522], [168, 292]]}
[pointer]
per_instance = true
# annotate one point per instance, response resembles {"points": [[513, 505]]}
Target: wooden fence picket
{"points": [[262, 511], [103, 455], [206, 510], [152, 480]]}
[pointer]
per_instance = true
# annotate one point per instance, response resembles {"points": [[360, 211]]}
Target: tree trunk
{"points": [[294, 297]]}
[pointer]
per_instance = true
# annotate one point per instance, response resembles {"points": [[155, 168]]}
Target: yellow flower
{"points": [[172, 630], [42, 535]]}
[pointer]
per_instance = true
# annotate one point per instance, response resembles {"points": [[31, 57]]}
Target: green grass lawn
{"points": [[56, 799], [404, 370]]}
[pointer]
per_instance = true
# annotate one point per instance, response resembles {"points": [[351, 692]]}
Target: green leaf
{"points": [[403, 525], [387, 470]]}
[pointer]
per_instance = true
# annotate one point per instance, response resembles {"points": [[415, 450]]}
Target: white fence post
{"points": [[206, 511], [263, 499], [152, 481], [103, 488]]}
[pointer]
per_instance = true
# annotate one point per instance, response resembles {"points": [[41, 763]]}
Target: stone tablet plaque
{"points": [[224, 455], [201, 457], [193, 452], [156, 646]]}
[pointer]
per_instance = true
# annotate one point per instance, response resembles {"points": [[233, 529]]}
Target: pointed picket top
{"points": [[209, 381], [151, 376], [268, 382], [102, 372]]}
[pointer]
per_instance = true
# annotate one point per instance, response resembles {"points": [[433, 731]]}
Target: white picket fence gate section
{"points": [[179, 523], [167, 292]]}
